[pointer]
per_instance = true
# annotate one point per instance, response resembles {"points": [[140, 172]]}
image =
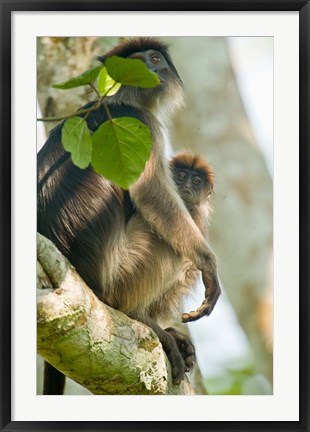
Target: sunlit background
{"points": [[228, 118]]}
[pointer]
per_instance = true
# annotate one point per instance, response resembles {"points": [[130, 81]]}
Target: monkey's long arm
{"points": [[193, 176]]}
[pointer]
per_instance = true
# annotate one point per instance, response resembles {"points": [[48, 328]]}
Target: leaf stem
{"points": [[77, 113], [95, 90], [105, 106]]}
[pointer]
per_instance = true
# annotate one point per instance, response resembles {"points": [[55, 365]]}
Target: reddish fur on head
{"points": [[194, 162]]}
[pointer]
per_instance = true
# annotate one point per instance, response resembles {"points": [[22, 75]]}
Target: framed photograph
{"points": [[243, 122]]}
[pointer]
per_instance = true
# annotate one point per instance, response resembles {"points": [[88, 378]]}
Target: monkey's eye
{"points": [[181, 176], [155, 59], [197, 181]]}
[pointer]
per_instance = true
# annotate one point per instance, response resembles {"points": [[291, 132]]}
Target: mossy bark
{"points": [[98, 347]]}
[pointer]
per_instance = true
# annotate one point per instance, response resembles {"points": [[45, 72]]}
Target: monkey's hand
{"points": [[212, 294]]}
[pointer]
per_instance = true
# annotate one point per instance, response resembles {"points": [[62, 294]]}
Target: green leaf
{"points": [[121, 147], [77, 140], [106, 85], [131, 72], [85, 78]]}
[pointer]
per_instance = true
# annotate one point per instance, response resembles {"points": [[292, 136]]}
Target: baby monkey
{"points": [[193, 177]]}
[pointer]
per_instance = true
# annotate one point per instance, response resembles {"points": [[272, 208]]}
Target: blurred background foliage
{"points": [[228, 119]]}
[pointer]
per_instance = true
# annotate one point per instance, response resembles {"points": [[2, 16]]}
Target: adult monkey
{"points": [[88, 217]]}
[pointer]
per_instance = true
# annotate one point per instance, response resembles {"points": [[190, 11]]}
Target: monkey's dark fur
{"points": [[105, 231]]}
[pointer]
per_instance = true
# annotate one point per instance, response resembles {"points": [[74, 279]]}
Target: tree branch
{"points": [[98, 347]]}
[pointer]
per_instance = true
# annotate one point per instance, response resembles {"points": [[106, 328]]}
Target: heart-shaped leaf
{"points": [[121, 147], [131, 72], [77, 140]]}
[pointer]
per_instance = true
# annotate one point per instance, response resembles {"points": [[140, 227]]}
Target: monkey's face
{"points": [[192, 185], [170, 88], [162, 100]]}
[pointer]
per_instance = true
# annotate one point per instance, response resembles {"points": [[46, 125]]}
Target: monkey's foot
{"points": [[170, 346], [185, 346]]}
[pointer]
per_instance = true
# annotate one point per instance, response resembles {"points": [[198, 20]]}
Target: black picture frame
{"points": [[7, 7]]}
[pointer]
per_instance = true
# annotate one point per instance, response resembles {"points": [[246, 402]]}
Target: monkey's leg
{"points": [[54, 381], [185, 346], [170, 346]]}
